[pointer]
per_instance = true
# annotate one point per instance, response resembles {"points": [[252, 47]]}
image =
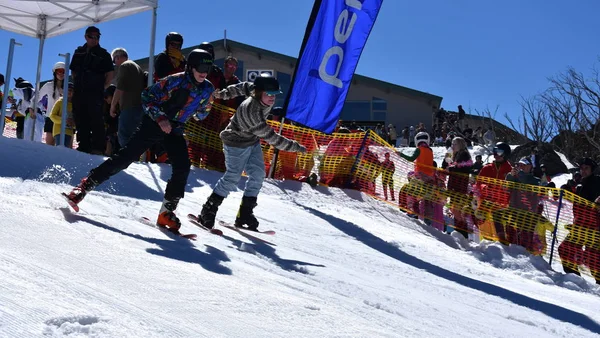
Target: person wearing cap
{"points": [[585, 230], [241, 145], [55, 116], [92, 68], [52, 91], [516, 224], [168, 105]]}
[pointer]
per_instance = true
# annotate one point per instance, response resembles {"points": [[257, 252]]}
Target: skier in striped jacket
{"points": [[241, 145]]}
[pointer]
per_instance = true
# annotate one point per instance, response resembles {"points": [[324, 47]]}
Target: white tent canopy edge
{"points": [[45, 19]]}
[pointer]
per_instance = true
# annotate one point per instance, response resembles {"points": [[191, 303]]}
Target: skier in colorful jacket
{"points": [[168, 105]]}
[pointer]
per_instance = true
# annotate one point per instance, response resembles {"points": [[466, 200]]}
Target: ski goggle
{"points": [[498, 152], [203, 68]]}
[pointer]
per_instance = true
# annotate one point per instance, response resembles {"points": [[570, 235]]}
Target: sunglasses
{"points": [[93, 37], [270, 95], [498, 152], [175, 44], [59, 71]]}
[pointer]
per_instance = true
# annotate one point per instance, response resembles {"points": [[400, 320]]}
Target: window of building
{"points": [[379, 104], [356, 110], [379, 116], [379, 109]]}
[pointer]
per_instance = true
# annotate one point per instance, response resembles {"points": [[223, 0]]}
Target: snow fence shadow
{"points": [[376, 243]]}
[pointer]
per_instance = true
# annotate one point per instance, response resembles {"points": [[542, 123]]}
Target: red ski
{"points": [[195, 221], [147, 221], [73, 205]]}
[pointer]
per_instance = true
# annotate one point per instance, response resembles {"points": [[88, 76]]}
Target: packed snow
{"points": [[341, 265]]}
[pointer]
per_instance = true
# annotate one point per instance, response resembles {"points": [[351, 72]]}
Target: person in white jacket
{"points": [[49, 93], [24, 94]]}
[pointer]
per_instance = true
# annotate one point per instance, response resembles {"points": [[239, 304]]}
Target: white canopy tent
{"points": [[45, 19]]}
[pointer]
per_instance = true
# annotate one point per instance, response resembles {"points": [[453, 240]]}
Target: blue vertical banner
{"points": [[334, 40]]}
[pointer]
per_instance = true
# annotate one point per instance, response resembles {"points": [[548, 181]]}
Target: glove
{"points": [[297, 147]]}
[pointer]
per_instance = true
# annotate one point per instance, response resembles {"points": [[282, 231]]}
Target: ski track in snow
{"points": [[344, 265]]}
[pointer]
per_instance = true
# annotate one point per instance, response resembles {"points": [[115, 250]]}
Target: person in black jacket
{"points": [[171, 60], [92, 68], [459, 168], [586, 225]]}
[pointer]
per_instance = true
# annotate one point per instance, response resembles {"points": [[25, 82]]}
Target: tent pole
{"points": [[65, 113], [37, 84], [152, 43], [11, 50], [42, 36]]}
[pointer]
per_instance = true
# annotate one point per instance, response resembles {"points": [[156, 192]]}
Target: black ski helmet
{"points": [[207, 46], [200, 60], [173, 37], [267, 83], [505, 149]]}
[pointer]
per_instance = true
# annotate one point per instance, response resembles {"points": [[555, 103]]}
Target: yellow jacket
{"points": [[56, 117]]}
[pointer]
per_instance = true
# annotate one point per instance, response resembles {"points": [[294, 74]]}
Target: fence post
{"points": [[358, 156], [11, 51], [560, 199]]}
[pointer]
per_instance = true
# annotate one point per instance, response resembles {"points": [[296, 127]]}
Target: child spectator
{"points": [[387, 178], [56, 118]]}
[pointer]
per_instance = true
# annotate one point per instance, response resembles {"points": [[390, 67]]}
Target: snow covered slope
{"points": [[341, 265]]}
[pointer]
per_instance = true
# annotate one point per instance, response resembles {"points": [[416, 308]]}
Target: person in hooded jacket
{"points": [[168, 104], [241, 145]]}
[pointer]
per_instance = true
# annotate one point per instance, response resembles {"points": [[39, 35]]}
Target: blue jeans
{"points": [[129, 121], [237, 160]]}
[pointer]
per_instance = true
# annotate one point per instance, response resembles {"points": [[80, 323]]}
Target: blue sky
{"points": [[477, 53]]}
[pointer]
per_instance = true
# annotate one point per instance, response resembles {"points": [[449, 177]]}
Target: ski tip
{"points": [[192, 217], [216, 232]]}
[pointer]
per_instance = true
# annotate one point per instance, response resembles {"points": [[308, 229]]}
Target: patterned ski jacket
{"points": [[177, 98], [249, 123]]}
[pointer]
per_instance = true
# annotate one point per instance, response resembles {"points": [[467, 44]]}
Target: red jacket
{"points": [[490, 191]]}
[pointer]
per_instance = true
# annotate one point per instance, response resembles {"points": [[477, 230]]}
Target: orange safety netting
{"points": [[546, 221]]}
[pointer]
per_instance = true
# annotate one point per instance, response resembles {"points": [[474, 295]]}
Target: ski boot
{"points": [[245, 215], [209, 210], [78, 193], [166, 216]]}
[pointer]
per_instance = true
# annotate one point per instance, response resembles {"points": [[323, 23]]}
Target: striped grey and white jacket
{"points": [[249, 123]]}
